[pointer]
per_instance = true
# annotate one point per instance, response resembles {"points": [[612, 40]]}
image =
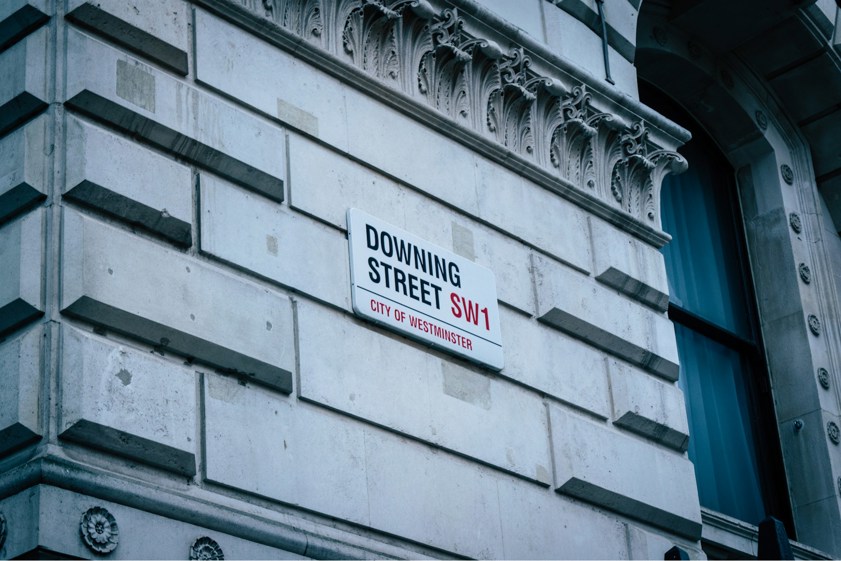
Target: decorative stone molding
{"points": [[833, 432], [99, 530], [426, 54], [805, 273], [794, 221], [814, 325], [823, 378], [787, 173], [206, 548]]}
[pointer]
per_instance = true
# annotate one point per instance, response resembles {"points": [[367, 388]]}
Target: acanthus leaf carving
{"points": [[413, 47]]}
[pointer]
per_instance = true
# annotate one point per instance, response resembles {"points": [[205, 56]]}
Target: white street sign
{"points": [[423, 290]]}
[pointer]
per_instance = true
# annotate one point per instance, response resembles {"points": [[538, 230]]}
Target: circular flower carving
{"points": [[206, 548], [833, 432], [794, 221], [823, 378], [761, 119], [814, 324], [2, 530], [99, 530], [805, 273], [787, 173]]}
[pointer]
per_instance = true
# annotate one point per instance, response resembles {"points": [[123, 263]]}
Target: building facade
{"points": [[419, 278]]}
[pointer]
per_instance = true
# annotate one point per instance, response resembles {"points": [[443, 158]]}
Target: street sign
{"points": [[423, 291]]}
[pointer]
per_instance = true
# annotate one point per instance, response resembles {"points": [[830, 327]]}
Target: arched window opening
{"points": [[734, 443]]}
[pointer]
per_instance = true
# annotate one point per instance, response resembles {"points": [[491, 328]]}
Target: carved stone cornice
{"points": [[558, 126]]}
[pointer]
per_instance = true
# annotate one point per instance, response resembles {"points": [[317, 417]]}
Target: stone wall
{"points": [[179, 345]]}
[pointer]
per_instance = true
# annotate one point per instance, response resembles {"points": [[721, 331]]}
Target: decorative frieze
{"points": [[427, 54]]}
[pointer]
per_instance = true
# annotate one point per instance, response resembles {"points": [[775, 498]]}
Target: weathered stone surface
{"points": [[647, 406], [623, 474], [264, 237], [290, 90], [630, 266], [128, 402], [554, 363], [21, 271], [392, 383], [289, 451], [456, 499], [139, 27], [532, 214], [643, 544], [588, 311], [128, 182], [20, 17], [539, 524], [325, 184], [23, 167], [140, 100], [23, 89], [20, 378], [121, 282]]}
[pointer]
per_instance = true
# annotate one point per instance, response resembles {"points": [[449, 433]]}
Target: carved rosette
{"points": [[99, 530], [206, 548], [428, 55], [823, 378]]}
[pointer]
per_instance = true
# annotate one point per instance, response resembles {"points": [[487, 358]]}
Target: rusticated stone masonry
{"points": [[428, 55]]}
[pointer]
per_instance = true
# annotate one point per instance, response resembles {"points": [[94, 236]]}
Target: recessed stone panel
{"points": [[23, 167], [596, 315], [267, 238], [630, 266], [23, 89], [127, 181], [118, 281], [139, 27], [288, 451], [142, 101], [390, 382], [127, 402], [647, 406], [20, 378], [21, 271], [623, 474]]}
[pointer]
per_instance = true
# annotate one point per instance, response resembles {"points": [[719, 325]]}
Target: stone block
{"points": [[629, 265], [143, 534], [527, 15], [157, 30], [598, 316], [127, 402], [456, 500], [533, 214], [643, 544], [809, 447], [142, 101], [268, 239], [404, 148], [647, 406], [23, 89], [539, 524], [128, 182], [393, 383], [555, 363], [624, 474], [270, 80], [118, 281], [24, 173], [21, 271], [23, 536], [20, 378], [285, 450], [20, 17], [325, 184]]}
